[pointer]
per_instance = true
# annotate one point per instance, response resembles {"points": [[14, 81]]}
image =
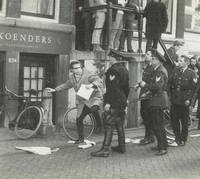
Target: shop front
{"points": [[32, 59]]}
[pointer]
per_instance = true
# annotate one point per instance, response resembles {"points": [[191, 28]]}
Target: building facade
{"points": [[37, 42]]}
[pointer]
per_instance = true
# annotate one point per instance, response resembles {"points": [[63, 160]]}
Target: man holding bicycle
{"points": [[115, 102], [78, 77]]}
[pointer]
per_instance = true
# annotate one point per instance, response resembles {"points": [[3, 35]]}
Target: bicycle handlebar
{"points": [[12, 94]]}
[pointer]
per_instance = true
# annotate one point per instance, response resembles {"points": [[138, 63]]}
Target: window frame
{"points": [[172, 33], [3, 10], [190, 10], [38, 17]]}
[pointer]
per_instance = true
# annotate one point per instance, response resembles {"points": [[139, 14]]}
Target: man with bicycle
{"points": [[115, 102], [78, 77]]}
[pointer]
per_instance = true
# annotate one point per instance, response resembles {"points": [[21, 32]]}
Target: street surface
{"points": [[69, 162]]}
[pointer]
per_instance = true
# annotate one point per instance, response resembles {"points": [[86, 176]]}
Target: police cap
{"points": [[158, 55], [179, 43]]}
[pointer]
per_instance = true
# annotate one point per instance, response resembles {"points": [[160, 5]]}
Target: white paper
{"points": [[84, 92]]}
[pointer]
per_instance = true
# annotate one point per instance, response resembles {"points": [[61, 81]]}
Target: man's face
{"points": [[148, 58], [76, 69], [182, 63], [193, 62], [177, 47]]}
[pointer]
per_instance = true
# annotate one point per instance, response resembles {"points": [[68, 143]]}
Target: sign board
{"points": [[35, 40]]}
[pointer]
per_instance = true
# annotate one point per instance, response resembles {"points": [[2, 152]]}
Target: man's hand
{"points": [[142, 83], [107, 107], [187, 102], [88, 86], [50, 90]]}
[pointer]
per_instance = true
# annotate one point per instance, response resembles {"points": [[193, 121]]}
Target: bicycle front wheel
{"points": [[70, 128], [28, 122]]}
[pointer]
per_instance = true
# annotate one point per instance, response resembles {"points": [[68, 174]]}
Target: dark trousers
{"points": [[179, 119], [88, 28], [79, 121], [149, 44], [157, 118], [115, 118], [127, 34], [144, 111]]}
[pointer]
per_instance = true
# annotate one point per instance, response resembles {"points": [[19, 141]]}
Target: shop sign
{"points": [[36, 41]]}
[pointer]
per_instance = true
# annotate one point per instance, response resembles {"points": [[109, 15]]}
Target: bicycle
{"points": [[89, 124], [69, 124], [29, 117], [168, 127]]}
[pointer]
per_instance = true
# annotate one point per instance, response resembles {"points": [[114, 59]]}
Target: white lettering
{"points": [[15, 37], [37, 39], [49, 40], [22, 37], [44, 39], [30, 38], [1, 35], [8, 36]]}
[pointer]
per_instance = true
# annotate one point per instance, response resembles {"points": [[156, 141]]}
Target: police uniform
{"points": [[149, 137], [117, 90], [158, 101], [182, 84]]}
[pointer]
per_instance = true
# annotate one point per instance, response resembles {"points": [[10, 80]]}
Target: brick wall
{"points": [[66, 15], [13, 8]]}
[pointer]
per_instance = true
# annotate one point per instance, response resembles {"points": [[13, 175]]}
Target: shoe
{"points": [[131, 51], [100, 153], [181, 143], [79, 141], [173, 144], [146, 141], [155, 148], [118, 149], [161, 152]]}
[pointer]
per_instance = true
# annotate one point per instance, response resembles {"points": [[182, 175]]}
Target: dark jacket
{"points": [[182, 85], [114, 11], [130, 16], [157, 19], [117, 86], [157, 87]]}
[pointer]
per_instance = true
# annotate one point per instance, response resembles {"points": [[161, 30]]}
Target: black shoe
{"points": [[155, 148], [79, 141], [131, 51], [146, 141], [181, 143], [161, 152], [100, 153], [118, 149]]}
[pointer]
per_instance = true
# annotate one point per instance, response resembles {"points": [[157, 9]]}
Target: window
{"points": [[38, 8], [192, 15], [2, 7]]}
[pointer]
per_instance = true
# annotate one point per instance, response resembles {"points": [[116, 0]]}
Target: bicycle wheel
{"points": [[69, 124], [167, 123], [28, 122]]}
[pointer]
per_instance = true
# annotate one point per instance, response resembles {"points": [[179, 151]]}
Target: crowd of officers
{"points": [[167, 88]]}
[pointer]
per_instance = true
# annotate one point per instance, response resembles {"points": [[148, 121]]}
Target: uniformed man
{"points": [[158, 101], [115, 102], [182, 84], [144, 92]]}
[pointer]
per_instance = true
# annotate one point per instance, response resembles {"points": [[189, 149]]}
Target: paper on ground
{"points": [[134, 141], [195, 135], [84, 92], [38, 150]]}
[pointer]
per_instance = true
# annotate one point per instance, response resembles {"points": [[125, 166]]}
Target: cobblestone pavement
{"points": [[139, 162]]}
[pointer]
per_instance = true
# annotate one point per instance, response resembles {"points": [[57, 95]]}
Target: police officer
{"points": [[158, 101], [115, 102], [182, 84], [149, 136]]}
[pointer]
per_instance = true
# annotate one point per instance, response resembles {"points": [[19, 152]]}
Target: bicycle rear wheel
{"points": [[167, 123], [69, 124], [28, 122]]}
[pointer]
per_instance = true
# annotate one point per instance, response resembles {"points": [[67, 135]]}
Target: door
{"points": [[2, 84], [37, 73]]}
